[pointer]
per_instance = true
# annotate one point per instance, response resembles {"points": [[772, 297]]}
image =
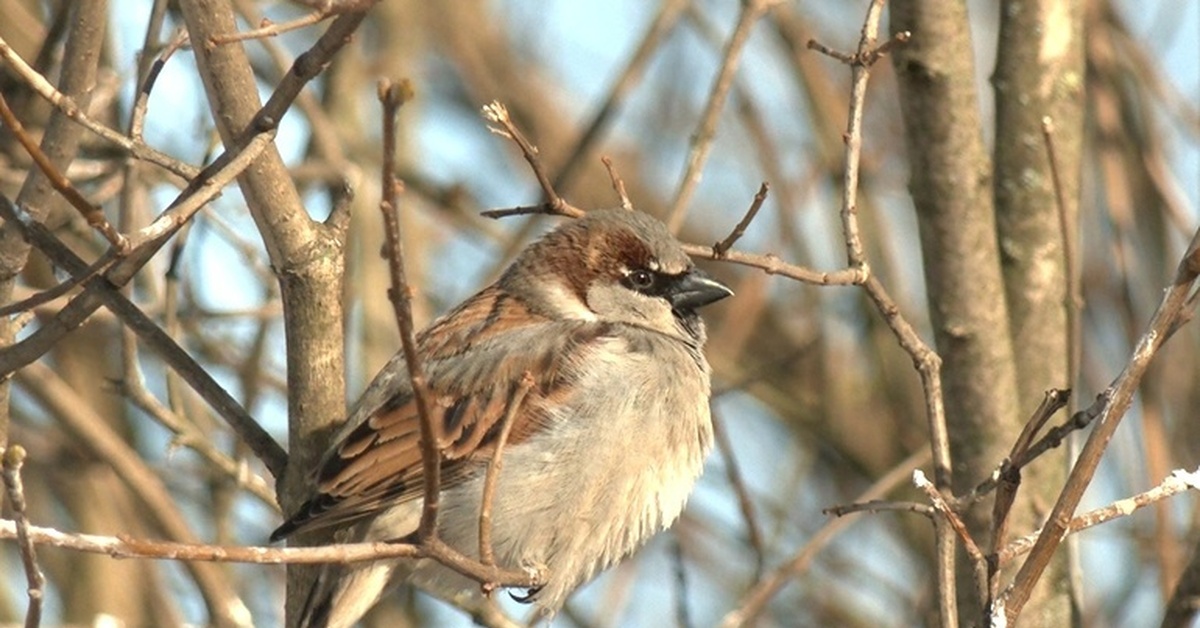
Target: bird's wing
{"points": [[475, 359]]}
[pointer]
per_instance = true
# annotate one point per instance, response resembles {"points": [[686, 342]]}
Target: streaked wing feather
{"points": [[378, 463]]}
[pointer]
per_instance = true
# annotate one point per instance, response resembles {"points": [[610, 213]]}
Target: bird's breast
{"points": [[614, 465]]}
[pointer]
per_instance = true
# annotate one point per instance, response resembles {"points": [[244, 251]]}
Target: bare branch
{"points": [[1123, 388], [927, 361], [860, 57], [664, 22], [85, 427], [272, 29], [1052, 439], [878, 505], [720, 248], [486, 555], [68, 106], [617, 183], [392, 96], [1009, 474], [1074, 297], [91, 212], [101, 290], [341, 553], [189, 436], [745, 504], [498, 113], [13, 458], [941, 507], [706, 130], [755, 600], [1178, 482], [45, 296]]}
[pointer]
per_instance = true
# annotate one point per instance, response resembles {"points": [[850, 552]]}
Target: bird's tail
{"points": [[342, 594]]}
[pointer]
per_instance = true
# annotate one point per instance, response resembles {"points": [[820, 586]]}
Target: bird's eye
{"points": [[640, 279]]}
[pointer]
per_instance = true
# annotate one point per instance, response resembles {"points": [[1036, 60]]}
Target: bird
{"points": [[596, 322]]}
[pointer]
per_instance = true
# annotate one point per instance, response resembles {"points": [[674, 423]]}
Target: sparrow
{"points": [[603, 450]]}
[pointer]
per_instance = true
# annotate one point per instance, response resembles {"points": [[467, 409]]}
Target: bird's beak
{"points": [[696, 289]]}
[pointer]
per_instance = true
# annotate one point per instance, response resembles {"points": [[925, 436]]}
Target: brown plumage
{"points": [[601, 313]]}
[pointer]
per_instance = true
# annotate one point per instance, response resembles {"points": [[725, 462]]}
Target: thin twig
{"points": [[1050, 440], [928, 364], [133, 388], [271, 29], [132, 194], [486, 554], [101, 290], [706, 129], [861, 57], [1052, 401], [64, 103], [1178, 482], [1066, 223], [1073, 306], [1165, 317], [943, 507], [773, 265], [557, 206], [751, 117], [341, 553], [498, 113], [979, 563], [91, 212], [720, 248], [155, 504], [662, 25], [1009, 474], [77, 70], [878, 505], [844, 57], [927, 361], [13, 458], [755, 600], [526, 210], [683, 618], [137, 116], [392, 96], [144, 243], [50, 294], [886, 47], [617, 183], [860, 64], [745, 504]]}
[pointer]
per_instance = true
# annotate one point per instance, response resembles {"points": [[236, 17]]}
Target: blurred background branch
{"points": [[276, 289]]}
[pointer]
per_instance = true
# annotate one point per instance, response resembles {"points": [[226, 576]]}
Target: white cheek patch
{"points": [[615, 303], [567, 303]]}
